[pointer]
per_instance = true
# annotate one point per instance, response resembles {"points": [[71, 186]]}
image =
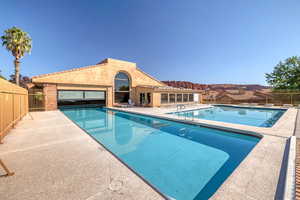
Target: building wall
{"points": [[80, 87], [102, 75], [109, 97], [156, 96], [108, 90], [96, 77], [50, 95], [156, 99], [135, 95]]}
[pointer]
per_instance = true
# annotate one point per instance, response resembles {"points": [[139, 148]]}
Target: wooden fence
{"points": [[276, 98], [13, 105]]}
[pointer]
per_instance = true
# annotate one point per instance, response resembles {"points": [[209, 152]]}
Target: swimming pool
{"points": [[261, 117], [182, 161]]}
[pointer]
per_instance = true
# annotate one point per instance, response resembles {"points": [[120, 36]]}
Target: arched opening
{"points": [[122, 88]]}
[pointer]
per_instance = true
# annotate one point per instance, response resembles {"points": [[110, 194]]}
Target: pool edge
{"points": [[222, 128], [115, 156]]}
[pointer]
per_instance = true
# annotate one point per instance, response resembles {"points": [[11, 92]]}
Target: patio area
{"points": [[261, 175], [54, 159]]}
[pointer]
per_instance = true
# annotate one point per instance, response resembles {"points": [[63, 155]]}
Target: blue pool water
{"points": [[182, 161], [261, 117]]}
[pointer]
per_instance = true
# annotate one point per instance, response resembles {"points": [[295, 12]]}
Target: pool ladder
{"points": [[182, 106], [186, 117]]}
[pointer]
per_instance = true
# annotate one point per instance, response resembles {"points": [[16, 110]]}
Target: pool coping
{"points": [[115, 156], [290, 178], [279, 129], [227, 129], [226, 126], [136, 173], [235, 106], [71, 161], [286, 123]]}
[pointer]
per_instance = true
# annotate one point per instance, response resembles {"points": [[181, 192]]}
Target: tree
{"points": [[23, 80], [286, 75], [18, 43]]}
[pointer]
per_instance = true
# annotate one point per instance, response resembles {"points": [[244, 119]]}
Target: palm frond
{"points": [[17, 42]]}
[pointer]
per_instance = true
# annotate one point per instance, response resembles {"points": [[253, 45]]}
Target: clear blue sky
{"points": [[215, 41]]}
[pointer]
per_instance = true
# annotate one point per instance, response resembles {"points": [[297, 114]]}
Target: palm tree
{"points": [[19, 43]]}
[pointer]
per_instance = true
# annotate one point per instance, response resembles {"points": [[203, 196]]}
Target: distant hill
{"points": [[197, 86]]}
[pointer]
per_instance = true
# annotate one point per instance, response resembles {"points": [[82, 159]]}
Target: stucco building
{"points": [[110, 83]]}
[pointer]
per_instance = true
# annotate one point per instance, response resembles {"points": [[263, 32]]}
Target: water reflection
{"points": [[183, 161], [261, 117]]}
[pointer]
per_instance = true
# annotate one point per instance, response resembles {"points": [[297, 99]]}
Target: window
{"points": [[185, 97], [68, 95], [164, 98], [149, 97], [172, 98], [80, 97], [94, 95], [122, 87], [179, 97], [191, 97], [142, 98], [121, 97], [80, 94], [121, 82], [145, 98]]}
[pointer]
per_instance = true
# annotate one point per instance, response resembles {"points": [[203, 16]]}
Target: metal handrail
{"points": [[180, 106]]}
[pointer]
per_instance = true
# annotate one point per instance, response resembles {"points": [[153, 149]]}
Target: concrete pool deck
{"points": [[55, 159], [259, 176], [284, 127]]}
